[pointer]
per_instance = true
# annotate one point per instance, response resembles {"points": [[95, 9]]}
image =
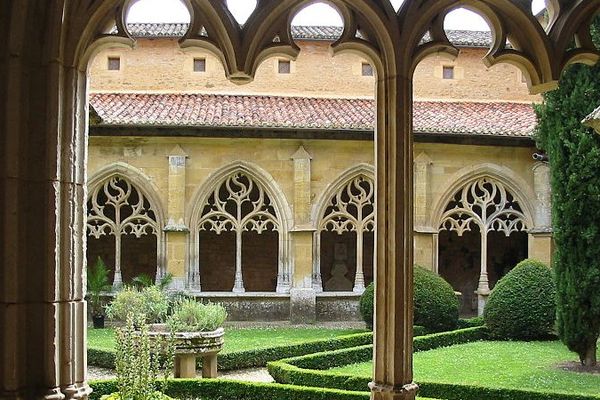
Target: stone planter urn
{"points": [[189, 346]]}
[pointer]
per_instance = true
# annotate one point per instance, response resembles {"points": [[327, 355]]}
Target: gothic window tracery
{"points": [[486, 206], [351, 209], [239, 205], [116, 208]]}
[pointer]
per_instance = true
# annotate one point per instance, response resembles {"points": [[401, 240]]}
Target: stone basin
{"points": [[189, 346]]}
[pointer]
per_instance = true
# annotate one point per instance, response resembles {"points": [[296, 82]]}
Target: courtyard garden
{"points": [[510, 353]]}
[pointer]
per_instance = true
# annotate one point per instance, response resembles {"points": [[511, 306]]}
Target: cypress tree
{"points": [[574, 153]]}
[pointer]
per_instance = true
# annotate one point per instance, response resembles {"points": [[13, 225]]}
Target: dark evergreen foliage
{"points": [[522, 305], [435, 304], [574, 153]]}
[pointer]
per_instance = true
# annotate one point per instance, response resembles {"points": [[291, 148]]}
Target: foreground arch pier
{"points": [[44, 55]]}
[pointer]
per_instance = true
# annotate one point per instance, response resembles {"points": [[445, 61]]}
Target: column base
{"points": [[77, 392], [303, 306], [380, 391]]}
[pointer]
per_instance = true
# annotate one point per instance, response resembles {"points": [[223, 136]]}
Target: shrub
{"points": [[150, 302], [139, 360], [192, 316], [367, 305], [435, 304], [522, 305]]}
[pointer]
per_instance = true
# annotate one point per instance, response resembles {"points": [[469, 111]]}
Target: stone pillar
{"points": [[176, 231], [302, 294], [43, 150], [424, 246], [541, 243], [393, 330]]}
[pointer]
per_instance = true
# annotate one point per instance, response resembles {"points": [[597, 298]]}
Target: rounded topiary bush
{"points": [[366, 305], [522, 305], [435, 304]]}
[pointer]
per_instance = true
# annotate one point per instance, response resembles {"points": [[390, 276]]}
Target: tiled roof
{"points": [[171, 30], [278, 112]]}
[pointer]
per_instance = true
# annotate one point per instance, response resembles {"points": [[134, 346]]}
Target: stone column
{"points": [[541, 243], [302, 294], [424, 241], [392, 375], [176, 230], [43, 150]]}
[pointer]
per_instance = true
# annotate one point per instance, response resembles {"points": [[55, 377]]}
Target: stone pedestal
{"points": [[303, 306]]}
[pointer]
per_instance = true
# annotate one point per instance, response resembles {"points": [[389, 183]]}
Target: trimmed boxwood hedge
{"points": [[259, 357], [255, 358], [522, 306], [435, 303], [221, 389], [310, 370]]}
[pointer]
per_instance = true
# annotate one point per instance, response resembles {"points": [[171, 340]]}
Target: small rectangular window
{"points": [[285, 67], [199, 64], [367, 69], [448, 72], [114, 63]]}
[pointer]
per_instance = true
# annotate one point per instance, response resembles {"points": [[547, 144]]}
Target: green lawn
{"points": [[525, 365], [237, 339]]}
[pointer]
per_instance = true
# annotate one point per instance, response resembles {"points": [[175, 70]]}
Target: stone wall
{"points": [[315, 73]]}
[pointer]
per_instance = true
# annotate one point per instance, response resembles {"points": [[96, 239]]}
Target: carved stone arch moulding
{"points": [[518, 187], [240, 198], [118, 208], [347, 205], [486, 204]]}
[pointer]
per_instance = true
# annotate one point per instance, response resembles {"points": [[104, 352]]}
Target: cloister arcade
{"points": [[43, 113]]}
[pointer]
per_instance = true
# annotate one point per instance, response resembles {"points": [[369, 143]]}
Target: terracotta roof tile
{"points": [[278, 112], [172, 30]]}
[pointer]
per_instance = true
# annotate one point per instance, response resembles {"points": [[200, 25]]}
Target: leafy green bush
{"points": [[151, 302], [522, 305], [435, 304], [192, 316], [140, 360], [221, 389], [366, 304], [153, 396]]}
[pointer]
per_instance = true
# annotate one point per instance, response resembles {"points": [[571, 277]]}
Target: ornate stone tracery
{"points": [[350, 209], [239, 204], [488, 205], [117, 208]]}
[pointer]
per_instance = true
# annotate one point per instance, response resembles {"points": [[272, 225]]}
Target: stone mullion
{"points": [[393, 378]]}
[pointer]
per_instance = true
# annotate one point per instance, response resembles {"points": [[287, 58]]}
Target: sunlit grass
{"points": [[523, 365], [240, 339]]}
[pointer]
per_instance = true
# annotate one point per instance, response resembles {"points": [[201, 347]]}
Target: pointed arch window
{"points": [[239, 205], [117, 208], [484, 204], [350, 210]]}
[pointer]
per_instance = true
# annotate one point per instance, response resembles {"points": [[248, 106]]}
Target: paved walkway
{"points": [[248, 375]]}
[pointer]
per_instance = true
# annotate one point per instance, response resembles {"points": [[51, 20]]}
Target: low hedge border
{"points": [[309, 370], [222, 389], [258, 358], [450, 391], [254, 358]]}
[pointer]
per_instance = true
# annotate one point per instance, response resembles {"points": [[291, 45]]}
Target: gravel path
{"points": [[248, 375]]}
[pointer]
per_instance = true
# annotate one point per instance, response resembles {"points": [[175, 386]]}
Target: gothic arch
{"points": [[484, 200], [147, 190], [346, 205], [278, 219], [520, 189]]}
